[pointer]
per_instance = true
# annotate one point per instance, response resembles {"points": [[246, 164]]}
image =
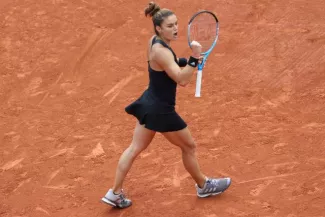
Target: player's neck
{"points": [[164, 40]]}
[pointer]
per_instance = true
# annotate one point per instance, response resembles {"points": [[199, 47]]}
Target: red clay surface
{"points": [[68, 69]]}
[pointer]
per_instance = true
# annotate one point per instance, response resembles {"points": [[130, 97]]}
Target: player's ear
{"points": [[158, 28]]}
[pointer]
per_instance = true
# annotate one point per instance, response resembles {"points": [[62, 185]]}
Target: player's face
{"points": [[169, 28]]}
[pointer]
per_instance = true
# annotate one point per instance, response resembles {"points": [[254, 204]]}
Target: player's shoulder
{"points": [[159, 51], [155, 45], [162, 54]]}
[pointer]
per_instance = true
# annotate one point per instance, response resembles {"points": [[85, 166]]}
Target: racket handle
{"points": [[198, 83]]}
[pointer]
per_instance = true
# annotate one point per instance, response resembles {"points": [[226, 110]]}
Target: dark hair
{"points": [[158, 15]]}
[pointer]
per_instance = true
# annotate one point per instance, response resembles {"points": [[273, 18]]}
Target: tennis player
{"points": [[155, 109]]}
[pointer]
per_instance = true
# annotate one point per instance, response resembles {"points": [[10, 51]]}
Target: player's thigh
{"points": [[181, 138], [142, 137]]}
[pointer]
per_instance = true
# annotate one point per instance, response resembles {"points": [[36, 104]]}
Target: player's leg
{"points": [[184, 140], [142, 137], [205, 186]]}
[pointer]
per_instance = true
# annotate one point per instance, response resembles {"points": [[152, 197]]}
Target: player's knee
{"points": [[190, 146], [136, 149]]}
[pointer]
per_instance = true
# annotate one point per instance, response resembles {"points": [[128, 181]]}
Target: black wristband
{"points": [[182, 62], [193, 61]]}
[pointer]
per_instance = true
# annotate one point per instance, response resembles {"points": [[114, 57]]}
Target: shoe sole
{"points": [[108, 202], [207, 195]]}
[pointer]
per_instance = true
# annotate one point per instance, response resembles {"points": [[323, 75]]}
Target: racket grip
{"points": [[198, 83]]}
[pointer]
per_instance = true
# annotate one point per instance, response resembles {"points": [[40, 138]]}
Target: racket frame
{"points": [[204, 54]]}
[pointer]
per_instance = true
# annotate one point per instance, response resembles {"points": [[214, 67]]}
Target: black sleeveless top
{"points": [[155, 108], [161, 86]]}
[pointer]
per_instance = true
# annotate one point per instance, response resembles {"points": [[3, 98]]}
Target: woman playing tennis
{"points": [[155, 109]]}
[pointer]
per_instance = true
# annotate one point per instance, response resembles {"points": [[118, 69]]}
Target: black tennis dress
{"points": [[155, 108]]}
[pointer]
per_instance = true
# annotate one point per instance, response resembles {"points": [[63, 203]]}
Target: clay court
{"points": [[69, 68]]}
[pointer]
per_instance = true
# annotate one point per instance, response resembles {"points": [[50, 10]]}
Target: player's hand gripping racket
{"points": [[203, 27]]}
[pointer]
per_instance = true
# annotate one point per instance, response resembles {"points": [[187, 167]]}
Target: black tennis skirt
{"points": [[155, 115]]}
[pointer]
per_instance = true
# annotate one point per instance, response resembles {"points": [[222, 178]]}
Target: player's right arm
{"points": [[165, 59]]}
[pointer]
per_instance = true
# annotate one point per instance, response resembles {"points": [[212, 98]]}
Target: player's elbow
{"points": [[183, 83]]}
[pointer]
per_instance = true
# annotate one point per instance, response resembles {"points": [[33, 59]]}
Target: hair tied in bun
{"points": [[152, 9]]}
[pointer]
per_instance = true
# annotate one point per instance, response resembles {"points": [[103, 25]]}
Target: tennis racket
{"points": [[203, 27]]}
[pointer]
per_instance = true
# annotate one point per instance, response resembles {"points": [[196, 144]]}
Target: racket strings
{"points": [[204, 30]]}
